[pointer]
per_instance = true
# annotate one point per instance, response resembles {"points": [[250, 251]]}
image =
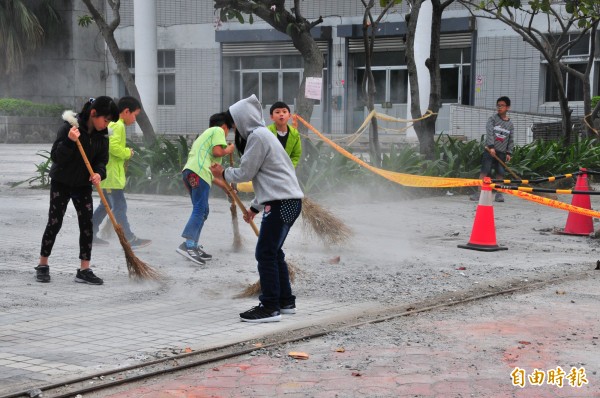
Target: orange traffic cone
{"points": [[483, 235], [578, 224]]}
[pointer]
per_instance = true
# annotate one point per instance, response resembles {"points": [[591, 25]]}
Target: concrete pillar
{"points": [[146, 74], [422, 49]]}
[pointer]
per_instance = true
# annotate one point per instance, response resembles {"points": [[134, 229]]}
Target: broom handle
{"points": [[89, 167], [502, 163], [231, 164], [237, 200]]}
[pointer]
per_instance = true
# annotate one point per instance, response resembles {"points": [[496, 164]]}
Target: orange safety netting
{"points": [[411, 180], [408, 180]]}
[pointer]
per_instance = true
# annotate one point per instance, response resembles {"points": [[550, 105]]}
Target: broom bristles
{"points": [[136, 267], [254, 289], [237, 239], [324, 224]]}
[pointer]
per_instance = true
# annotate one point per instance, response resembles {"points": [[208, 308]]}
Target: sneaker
{"points": [[499, 197], [474, 196], [42, 273], [100, 242], [190, 254], [288, 309], [260, 314], [137, 243], [203, 255], [87, 276]]}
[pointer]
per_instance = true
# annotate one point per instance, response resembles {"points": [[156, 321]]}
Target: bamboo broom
{"points": [[136, 267], [237, 200], [324, 224], [237, 239], [548, 195], [255, 289], [318, 221]]}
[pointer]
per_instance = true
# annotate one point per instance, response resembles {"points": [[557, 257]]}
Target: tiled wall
{"points": [[518, 79], [470, 122], [198, 92]]}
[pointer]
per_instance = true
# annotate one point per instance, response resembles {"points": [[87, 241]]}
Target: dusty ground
{"points": [[404, 249]]}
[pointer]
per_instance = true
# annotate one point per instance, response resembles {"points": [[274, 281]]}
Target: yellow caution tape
{"points": [[551, 203], [408, 180]]}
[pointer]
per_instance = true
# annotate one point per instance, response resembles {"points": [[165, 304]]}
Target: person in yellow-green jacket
{"points": [[112, 186], [287, 135]]}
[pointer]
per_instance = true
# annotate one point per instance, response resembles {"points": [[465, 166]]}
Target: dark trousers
{"points": [[60, 195], [278, 218]]}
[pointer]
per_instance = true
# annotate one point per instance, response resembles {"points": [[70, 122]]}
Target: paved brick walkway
{"points": [[467, 351], [55, 332]]}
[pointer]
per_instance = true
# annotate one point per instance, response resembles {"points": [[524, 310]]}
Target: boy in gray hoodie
{"points": [[277, 194]]}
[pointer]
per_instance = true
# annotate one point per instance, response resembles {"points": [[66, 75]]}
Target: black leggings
{"points": [[60, 195]]}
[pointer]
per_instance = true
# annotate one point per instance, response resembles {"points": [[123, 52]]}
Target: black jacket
{"points": [[68, 166]]}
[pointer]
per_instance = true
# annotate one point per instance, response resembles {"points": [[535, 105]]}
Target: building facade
{"points": [[203, 65]]}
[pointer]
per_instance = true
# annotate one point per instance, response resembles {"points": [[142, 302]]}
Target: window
{"points": [[455, 72], [391, 76], [272, 78], [579, 48], [573, 85], [576, 57], [166, 75]]}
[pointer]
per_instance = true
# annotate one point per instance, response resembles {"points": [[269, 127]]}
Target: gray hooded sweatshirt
{"points": [[265, 161]]}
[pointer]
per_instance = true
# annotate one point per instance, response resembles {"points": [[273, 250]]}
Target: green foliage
{"points": [[547, 158], [157, 168], [595, 101], [85, 20], [452, 158], [384, 3], [323, 169], [227, 14], [42, 171], [19, 107]]}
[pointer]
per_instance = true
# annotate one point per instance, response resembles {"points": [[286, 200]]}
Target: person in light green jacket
{"points": [[286, 134], [112, 186]]}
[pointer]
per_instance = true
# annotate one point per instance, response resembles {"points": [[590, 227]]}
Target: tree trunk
{"points": [[142, 119], [313, 67], [108, 34], [588, 115], [421, 127], [426, 128], [563, 102], [368, 87]]}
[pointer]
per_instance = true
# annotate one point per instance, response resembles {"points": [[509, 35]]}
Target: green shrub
{"points": [[595, 101], [19, 107], [42, 169], [156, 169]]}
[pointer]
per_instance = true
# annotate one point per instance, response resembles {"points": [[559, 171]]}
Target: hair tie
{"points": [[91, 101]]}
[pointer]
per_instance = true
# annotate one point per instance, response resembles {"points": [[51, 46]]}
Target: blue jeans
{"points": [[118, 205], [198, 190], [488, 163], [278, 218]]}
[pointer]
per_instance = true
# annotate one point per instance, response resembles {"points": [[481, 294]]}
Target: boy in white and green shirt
{"points": [[206, 150]]}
